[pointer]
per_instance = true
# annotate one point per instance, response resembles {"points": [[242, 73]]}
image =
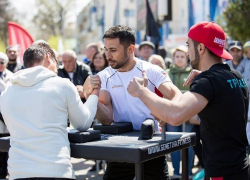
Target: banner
{"points": [[19, 36], [152, 32]]}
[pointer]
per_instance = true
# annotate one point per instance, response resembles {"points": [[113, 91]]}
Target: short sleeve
{"points": [[203, 85], [157, 75], [103, 78]]}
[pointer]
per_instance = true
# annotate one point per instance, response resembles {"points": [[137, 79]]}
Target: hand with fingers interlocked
{"points": [[92, 85]]}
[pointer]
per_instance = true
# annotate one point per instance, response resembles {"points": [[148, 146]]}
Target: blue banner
{"points": [[212, 8]]}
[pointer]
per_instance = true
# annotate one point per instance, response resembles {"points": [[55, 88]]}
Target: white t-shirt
{"points": [[127, 108]]}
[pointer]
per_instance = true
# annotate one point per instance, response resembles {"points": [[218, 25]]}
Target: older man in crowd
{"points": [[91, 49], [75, 71], [236, 50], [146, 49]]}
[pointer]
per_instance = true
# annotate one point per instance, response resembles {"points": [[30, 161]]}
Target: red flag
{"points": [[19, 36]]}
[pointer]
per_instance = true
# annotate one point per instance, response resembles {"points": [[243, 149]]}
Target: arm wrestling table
{"points": [[129, 147]]}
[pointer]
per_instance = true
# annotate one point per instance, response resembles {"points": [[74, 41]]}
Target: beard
{"points": [[118, 65], [13, 60], [196, 62]]}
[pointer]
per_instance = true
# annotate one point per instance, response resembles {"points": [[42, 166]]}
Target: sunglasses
{"points": [[2, 62], [235, 43]]}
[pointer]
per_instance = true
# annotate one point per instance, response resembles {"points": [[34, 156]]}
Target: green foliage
{"points": [[53, 41], [2, 46], [6, 15], [235, 20]]}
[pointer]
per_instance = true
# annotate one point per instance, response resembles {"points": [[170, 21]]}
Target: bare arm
{"points": [[170, 91], [104, 109], [173, 112], [195, 120]]}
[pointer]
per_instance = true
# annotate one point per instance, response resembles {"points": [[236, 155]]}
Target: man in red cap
{"points": [[219, 95]]}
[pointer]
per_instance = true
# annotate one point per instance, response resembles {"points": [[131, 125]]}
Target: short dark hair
{"points": [[125, 34], [36, 54]]}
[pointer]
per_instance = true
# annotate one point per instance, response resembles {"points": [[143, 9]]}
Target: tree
{"points": [[236, 20], [51, 16], [6, 15]]}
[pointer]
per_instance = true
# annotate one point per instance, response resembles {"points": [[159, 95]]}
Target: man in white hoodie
{"points": [[42, 102]]}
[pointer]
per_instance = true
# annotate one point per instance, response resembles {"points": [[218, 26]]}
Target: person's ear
{"points": [[131, 49], [201, 48], [48, 57]]}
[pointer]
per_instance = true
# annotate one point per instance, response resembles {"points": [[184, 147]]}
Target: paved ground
{"points": [[83, 166]]}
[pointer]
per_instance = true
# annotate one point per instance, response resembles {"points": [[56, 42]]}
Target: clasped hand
{"points": [[92, 85]]}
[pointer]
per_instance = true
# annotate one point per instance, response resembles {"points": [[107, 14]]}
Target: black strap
{"points": [[1, 118]]}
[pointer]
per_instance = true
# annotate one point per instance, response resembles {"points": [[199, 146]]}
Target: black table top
{"points": [[126, 147]]}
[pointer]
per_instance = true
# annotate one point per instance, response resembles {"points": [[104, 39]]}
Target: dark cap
{"points": [[235, 44], [148, 43]]}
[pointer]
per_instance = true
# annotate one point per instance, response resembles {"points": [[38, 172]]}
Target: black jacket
{"points": [[82, 71]]}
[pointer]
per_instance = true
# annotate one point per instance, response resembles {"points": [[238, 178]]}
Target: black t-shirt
{"points": [[223, 120]]}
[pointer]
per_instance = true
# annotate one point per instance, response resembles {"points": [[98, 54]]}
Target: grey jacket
{"points": [[244, 69]]}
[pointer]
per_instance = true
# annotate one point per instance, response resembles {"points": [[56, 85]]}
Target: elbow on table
{"points": [[82, 128], [106, 123]]}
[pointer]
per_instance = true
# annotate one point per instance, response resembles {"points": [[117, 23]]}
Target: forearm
{"points": [[168, 111], [81, 118], [104, 114]]}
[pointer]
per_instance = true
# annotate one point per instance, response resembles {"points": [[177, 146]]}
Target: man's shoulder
{"points": [[61, 82], [107, 72]]}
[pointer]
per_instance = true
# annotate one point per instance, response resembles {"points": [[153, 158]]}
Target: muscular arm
{"points": [[173, 112], [170, 91], [104, 109]]}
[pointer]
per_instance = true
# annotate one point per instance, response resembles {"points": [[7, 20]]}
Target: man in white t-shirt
{"points": [[116, 104]]}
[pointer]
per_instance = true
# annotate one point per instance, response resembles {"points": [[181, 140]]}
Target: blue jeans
{"points": [[176, 156]]}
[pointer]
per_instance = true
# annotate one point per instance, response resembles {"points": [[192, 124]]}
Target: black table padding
{"points": [[114, 128], [129, 147], [82, 137], [126, 147], [4, 144]]}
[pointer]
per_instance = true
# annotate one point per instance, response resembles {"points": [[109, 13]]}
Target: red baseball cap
{"points": [[212, 36]]}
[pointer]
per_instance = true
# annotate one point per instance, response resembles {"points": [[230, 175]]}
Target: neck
{"points": [[236, 63], [98, 68], [208, 61], [12, 62], [130, 64], [145, 58], [183, 67]]}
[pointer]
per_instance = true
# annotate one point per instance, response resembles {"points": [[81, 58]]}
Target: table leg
{"points": [[139, 171], [184, 163]]}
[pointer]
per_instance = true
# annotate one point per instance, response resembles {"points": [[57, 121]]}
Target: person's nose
{"points": [[108, 55]]}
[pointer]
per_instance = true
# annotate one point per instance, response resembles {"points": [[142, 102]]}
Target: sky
{"points": [[27, 8]]}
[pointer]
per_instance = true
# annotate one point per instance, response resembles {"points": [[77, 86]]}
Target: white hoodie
{"points": [[35, 109]]}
